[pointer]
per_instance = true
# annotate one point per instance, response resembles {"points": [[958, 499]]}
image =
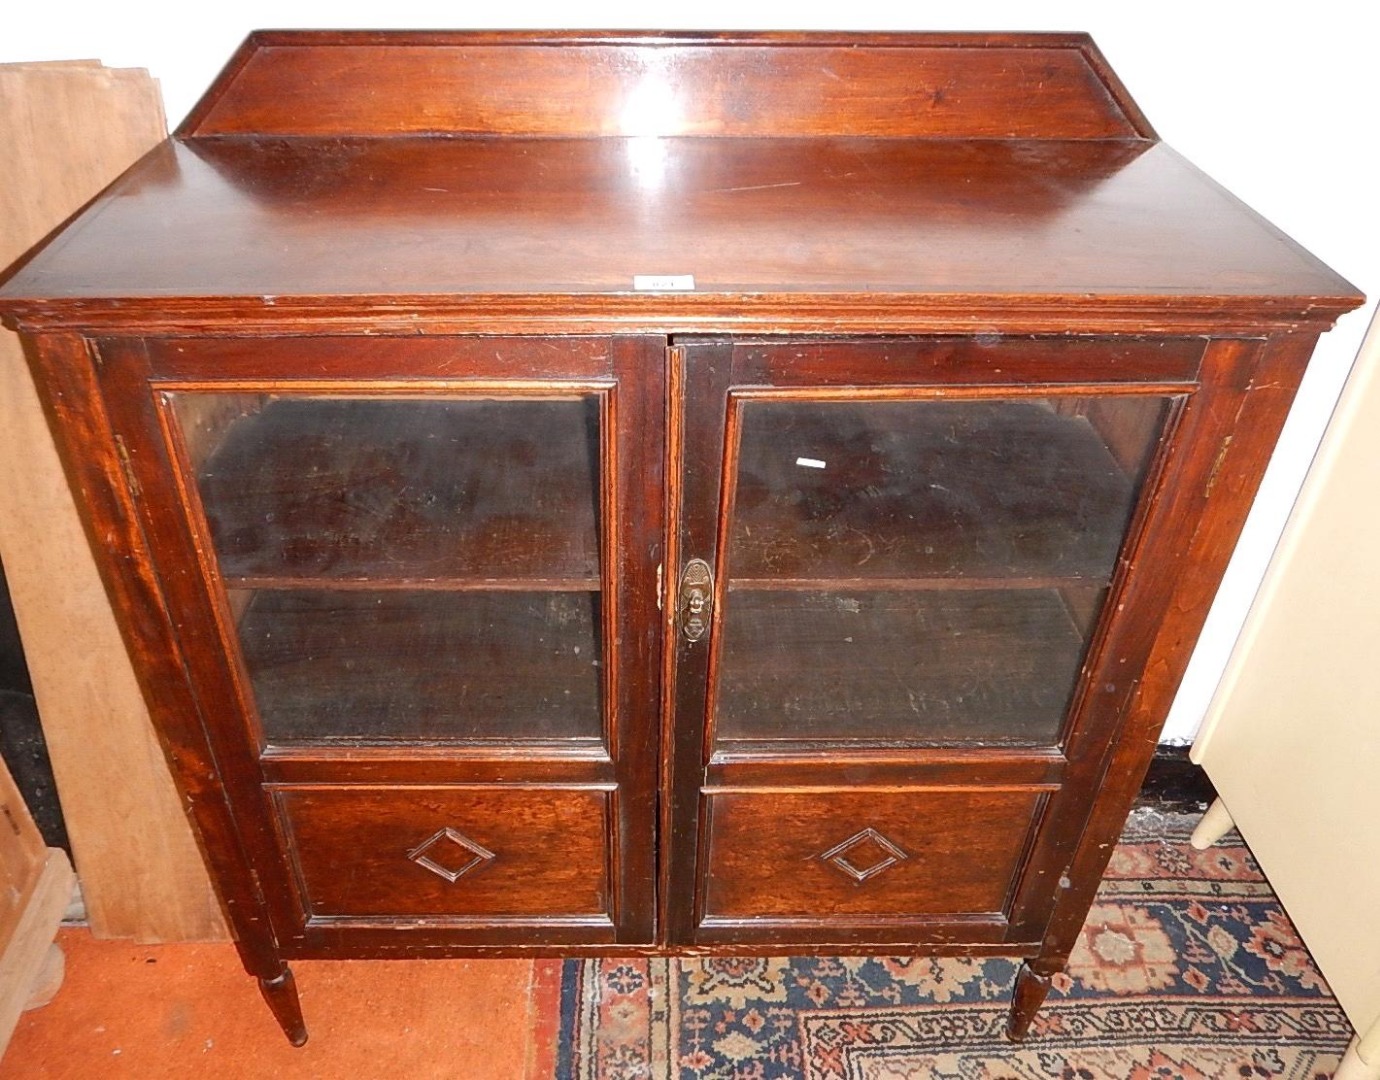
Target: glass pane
{"points": [[404, 568], [922, 572], [423, 665]]}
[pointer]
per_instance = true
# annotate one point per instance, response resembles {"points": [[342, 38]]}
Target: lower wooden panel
{"points": [[841, 860], [499, 854]]}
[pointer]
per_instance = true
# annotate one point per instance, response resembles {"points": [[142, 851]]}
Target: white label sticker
{"points": [[809, 462], [664, 282]]}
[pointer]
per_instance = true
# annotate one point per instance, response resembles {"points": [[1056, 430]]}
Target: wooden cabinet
{"points": [[633, 493]]}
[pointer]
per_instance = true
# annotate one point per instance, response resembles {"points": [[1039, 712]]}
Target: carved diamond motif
{"points": [[450, 846], [864, 855]]}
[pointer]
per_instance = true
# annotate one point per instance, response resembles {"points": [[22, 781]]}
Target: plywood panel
{"points": [[35, 887], [1291, 741], [23, 954], [21, 855], [67, 130]]}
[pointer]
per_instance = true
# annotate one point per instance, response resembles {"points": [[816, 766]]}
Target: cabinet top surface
{"points": [[802, 181]]}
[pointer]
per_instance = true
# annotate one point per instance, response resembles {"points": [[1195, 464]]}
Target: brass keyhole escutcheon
{"points": [[696, 599]]}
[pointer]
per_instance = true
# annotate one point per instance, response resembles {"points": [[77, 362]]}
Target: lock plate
{"points": [[695, 599]]}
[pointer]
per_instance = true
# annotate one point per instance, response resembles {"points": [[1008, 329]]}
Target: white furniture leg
{"points": [[1215, 824], [1362, 1058]]}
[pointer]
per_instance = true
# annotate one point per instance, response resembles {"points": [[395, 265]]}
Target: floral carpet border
{"points": [[1187, 967]]}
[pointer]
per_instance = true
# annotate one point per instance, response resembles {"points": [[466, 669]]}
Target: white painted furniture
{"points": [[1292, 740]]}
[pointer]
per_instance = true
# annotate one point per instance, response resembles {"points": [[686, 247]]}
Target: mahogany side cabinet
{"points": [[638, 493]]}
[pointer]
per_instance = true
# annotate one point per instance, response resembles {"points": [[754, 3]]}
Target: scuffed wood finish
{"points": [[68, 130], [64, 368], [280, 994], [1169, 581], [1043, 357], [1032, 986], [901, 234]]}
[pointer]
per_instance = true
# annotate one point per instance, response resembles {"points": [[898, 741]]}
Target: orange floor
{"points": [[189, 1010]]}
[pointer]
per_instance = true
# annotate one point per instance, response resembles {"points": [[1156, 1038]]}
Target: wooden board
{"points": [[21, 855], [35, 887], [67, 131], [558, 228], [687, 83]]}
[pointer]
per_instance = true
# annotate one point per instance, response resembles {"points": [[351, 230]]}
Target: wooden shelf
{"points": [[326, 492], [948, 494], [910, 584], [958, 668], [429, 667]]}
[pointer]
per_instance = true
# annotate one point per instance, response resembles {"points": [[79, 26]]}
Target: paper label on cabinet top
{"points": [[664, 282], [809, 462]]}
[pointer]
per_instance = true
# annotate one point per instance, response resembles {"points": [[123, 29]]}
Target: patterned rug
{"points": [[1187, 968]]}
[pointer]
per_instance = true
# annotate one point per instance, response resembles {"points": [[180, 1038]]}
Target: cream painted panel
{"points": [[1292, 740]]}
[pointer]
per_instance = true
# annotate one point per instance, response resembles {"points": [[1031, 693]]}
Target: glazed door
{"points": [[895, 563], [431, 569]]}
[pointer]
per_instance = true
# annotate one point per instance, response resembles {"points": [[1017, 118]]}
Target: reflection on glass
{"points": [[922, 572], [404, 568]]}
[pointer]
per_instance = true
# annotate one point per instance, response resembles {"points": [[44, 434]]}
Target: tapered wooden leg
{"points": [[281, 995], [1215, 823], [1026, 999]]}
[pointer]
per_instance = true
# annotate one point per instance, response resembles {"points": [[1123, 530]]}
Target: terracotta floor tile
{"points": [[189, 1010]]}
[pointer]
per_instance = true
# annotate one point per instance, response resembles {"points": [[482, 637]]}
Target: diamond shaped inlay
{"points": [[450, 846], [864, 855]]}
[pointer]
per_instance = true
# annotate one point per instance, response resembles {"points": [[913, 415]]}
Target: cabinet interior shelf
{"points": [[1028, 493], [912, 584], [404, 584], [946, 668], [427, 667], [353, 492]]}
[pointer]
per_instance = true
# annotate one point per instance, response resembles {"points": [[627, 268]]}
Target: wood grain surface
{"points": [[924, 226], [520, 853], [1042, 85], [857, 854], [69, 129], [1038, 359]]}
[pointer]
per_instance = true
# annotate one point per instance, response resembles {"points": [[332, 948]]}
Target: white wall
{"points": [[1270, 99]]}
